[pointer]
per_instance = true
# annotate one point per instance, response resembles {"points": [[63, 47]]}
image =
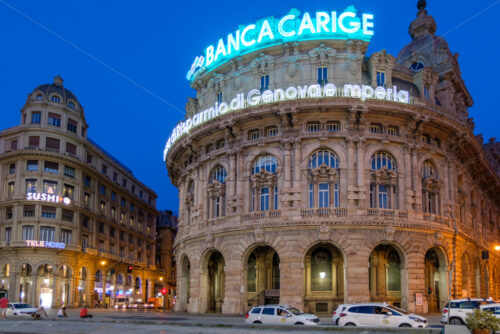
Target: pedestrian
{"points": [[39, 312], [84, 313], [62, 312], [3, 307]]}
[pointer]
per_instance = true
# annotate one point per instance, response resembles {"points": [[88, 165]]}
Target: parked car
{"points": [[149, 305], [458, 309], [279, 315], [20, 309], [137, 305], [336, 313], [493, 308], [379, 315]]}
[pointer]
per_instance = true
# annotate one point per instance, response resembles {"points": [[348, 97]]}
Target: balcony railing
{"points": [[324, 212], [270, 214]]}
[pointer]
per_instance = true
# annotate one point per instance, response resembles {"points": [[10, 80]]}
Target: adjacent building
{"points": [[166, 230], [76, 226], [312, 174]]}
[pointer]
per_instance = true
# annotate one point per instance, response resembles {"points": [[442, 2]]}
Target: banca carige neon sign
{"points": [[291, 27]]}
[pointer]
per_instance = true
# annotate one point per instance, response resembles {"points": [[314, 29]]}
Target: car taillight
{"points": [[246, 317], [445, 311], [343, 314]]}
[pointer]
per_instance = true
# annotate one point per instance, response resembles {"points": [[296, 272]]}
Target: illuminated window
{"points": [[31, 185], [103, 207], [219, 98], [54, 119], [264, 82], [333, 126], [381, 79], [313, 127], [113, 212], [10, 189], [68, 191], [86, 199], [122, 217], [322, 75], [36, 118]]}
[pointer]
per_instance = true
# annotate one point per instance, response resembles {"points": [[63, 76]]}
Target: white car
{"points": [[493, 308], [458, 309], [280, 315], [20, 309], [336, 313], [379, 315]]}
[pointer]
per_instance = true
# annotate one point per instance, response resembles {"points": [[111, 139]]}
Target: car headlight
{"points": [[418, 319]]}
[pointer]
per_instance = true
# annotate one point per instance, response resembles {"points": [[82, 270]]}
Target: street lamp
{"points": [[497, 248]]}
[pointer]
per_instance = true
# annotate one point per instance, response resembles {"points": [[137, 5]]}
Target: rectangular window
{"points": [[382, 197], [67, 215], [313, 127], [113, 196], [375, 128], [13, 145], [86, 199], [10, 189], [264, 199], [132, 221], [124, 182], [426, 93], [36, 118], [123, 202], [392, 131], [32, 165], [85, 241], [333, 126], [8, 232], [29, 211], [122, 217], [133, 188], [336, 195], [254, 134], [115, 177], [54, 119], [101, 228], [48, 212], [103, 207], [8, 213], [51, 167], [52, 143], [275, 198], [31, 185], [86, 180], [89, 158], [113, 212], [68, 191], [264, 82], [28, 232], [12, 168], [132, 207], [34, 141], [70, 148], [141, 194], [66, 236], [219, 98], [122, 252], [72, 125], [102, 189], [85, 222], [381, 79], [50, 187], [311, 195], [112, 232], [47, 233], [104, 169], [272, 132], [323, 195], [122, 236], [112, 249], [322, 75], [69, 172]]}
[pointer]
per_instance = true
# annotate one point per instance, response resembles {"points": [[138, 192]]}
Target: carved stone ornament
{"points": [[384, 176], [216, 189], [216, 83], [322, 54], [389, 231], [438, 238], [324, 232], [263, 179], [259, 235], [263, 64], [323, 173], [431, 185]]}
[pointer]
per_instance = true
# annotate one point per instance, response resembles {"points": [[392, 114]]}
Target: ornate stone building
{"points": [[76, 226], [318, 201]]}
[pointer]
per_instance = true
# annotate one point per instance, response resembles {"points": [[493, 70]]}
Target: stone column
{"points": [[407, 191], [292, 279], [357, 268], [232, 172], [351, 180], [417, 184], [287, 164], [297, 165]]}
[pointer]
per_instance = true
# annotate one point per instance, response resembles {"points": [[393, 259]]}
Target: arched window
{"points": [[264, 183], [383, 185], [430, 189], [217, 192], [323, 180]]}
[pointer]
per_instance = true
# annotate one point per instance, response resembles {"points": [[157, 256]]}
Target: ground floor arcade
{"points": [[316, 270], [52, 277]]}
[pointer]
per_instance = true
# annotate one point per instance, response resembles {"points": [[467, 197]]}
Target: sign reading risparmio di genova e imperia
{"points": [[289, 28]]}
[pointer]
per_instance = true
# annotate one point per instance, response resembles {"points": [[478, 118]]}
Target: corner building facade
{"points": [[76, 226], [314, 202]]}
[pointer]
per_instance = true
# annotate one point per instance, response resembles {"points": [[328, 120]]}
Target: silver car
{"points": [[280, 315]]}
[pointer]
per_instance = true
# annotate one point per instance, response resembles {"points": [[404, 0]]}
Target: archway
{"points": [[4, 277], [25, 283], [263, 277], [45, 286], [184, 288], [387, 272], [324, 278], [82, 287], [64, 284], [466, 282], [213, 280], [98, 288], [436, 279]]}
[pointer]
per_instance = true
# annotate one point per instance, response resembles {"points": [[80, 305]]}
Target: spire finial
{"points": [[421, 4]]}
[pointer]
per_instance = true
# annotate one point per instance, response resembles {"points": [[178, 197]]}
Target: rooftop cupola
{"points": [[423, 24]]}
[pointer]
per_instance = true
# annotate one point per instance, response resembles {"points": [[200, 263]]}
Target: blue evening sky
{"points": [[154, 43]]}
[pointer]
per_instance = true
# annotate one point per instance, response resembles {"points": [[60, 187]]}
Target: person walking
{"points": [[4, 302]]}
